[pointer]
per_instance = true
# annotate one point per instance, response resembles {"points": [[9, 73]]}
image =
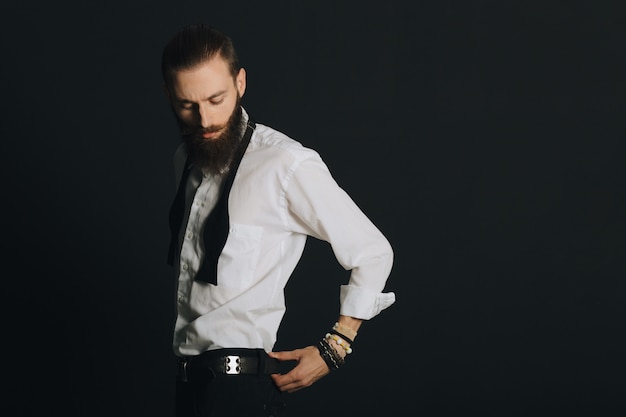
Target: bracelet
{"points": [[349, 333], [331, 358], [346, 347], [343, 336], [326, 356], [338, 359]]}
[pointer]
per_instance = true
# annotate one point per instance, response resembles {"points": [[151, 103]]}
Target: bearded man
{"points": [[248, 197]]}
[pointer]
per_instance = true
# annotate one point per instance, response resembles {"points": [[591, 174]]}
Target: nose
{"points": [[204, 116]]}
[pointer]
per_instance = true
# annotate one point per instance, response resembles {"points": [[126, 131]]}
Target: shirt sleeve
{"points": [[317, 206]]}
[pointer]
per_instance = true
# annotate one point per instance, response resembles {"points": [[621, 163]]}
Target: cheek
{"points": [[222, 115]]}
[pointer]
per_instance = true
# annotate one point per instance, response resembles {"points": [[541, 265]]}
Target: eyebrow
{"points": [[219, 93]]}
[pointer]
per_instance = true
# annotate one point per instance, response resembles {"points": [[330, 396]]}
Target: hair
{"points": [[194, 45]]}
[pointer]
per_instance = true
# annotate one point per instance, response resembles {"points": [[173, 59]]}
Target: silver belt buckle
{"points": [[232, 365]]}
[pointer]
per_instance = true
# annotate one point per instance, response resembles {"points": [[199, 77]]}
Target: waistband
{"points": [[230, 362]]}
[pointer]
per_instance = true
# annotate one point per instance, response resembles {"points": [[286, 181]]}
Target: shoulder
{"points": [[273, 145]]}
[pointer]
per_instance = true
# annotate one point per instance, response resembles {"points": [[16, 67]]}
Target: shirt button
{"points": [[181, 299], [189, 235], [185, 267]]}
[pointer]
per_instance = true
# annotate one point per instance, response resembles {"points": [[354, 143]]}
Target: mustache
{"points": [[189, 132]]}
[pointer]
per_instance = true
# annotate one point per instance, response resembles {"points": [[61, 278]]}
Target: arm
{"points": [[310, 365], [318, 207]]}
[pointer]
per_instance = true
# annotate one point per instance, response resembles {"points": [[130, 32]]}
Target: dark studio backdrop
{"points": [[484, 138]]}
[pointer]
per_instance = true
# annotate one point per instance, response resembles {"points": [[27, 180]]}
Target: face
{"points": [[206, 103], [204, 98]]}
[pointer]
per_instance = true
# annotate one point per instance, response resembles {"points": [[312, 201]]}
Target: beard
{"points": [[214, 155]]}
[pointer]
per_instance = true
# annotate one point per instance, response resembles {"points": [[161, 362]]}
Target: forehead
{"points": [[203, 80]]}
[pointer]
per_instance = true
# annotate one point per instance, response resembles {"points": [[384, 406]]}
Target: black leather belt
{"points": [[205, 367]]}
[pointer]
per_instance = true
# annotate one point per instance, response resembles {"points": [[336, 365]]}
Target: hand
{"points": [[310, 367]]}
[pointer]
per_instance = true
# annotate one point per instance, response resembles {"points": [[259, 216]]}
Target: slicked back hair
{"points": [[194, 45]]}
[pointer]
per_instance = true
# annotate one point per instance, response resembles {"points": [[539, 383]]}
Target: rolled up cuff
{"points": [[362, 303]]}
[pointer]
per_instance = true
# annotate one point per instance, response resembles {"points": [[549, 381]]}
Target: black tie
{"points": [[217, 223], [177, 211]]}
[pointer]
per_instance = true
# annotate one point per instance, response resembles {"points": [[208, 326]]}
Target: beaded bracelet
{"points": [[331, 358], [327, 358], [337, 358], [346, 347]]}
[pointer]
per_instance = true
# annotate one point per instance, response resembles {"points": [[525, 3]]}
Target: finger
{"points": [[286, 383], [287, 355]]}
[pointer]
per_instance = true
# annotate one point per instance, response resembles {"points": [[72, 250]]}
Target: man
{"points": [[247, 199]]}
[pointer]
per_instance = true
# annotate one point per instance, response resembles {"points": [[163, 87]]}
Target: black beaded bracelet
{"points": [[326, 356], [333, 352], [330, 356]]}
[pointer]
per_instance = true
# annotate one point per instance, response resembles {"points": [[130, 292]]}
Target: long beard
{"points": [[214, 155]]}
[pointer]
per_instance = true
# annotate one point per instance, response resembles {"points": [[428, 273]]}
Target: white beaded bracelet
{"points": [[346, 347]]}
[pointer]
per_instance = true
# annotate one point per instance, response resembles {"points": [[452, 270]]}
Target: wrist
{"points": [[341, 350]]}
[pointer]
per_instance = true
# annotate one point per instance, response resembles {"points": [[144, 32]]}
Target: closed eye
{"points": [[186, 105]]}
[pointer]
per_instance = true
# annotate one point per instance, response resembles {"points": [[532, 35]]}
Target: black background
{"points": [[484, 138]]}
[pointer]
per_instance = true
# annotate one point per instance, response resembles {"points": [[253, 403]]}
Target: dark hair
{"points": [[194, 45]]}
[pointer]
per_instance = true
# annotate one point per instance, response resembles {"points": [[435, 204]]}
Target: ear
{"points": [[166, 91], [240, 82]]}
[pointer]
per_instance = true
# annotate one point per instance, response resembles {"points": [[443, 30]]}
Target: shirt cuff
{"points": [[362, 303]]}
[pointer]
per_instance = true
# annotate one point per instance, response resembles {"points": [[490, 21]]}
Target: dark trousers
{"points": [[221, 395]]}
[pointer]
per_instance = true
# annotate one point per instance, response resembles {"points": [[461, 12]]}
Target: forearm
{"points": [[346, 330], [350, 322]]}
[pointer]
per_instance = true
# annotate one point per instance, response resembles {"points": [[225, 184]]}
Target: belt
{"points": [[204, 367]]}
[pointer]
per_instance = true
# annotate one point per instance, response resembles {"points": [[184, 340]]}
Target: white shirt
{"points": [[282, 193]]}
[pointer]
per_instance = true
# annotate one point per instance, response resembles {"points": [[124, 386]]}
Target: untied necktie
{"points": [[217, 223]]}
